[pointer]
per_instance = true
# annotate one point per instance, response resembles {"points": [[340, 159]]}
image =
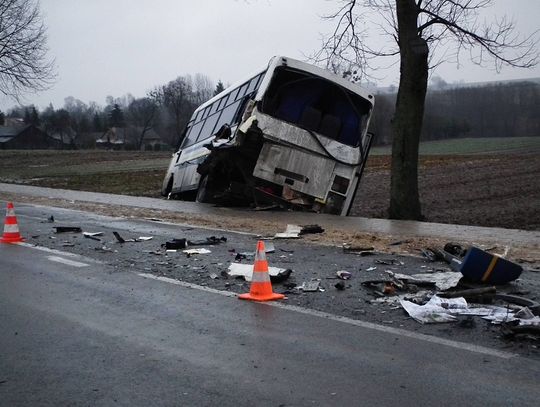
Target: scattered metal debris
{"points": [[118, 237], [66, 229], [310, 286], [175, 244], [209, 241], [307, 229], [343, 275], [361, 250], [93, 235]]}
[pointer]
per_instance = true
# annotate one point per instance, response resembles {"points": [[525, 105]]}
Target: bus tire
{"points": [[204, 193], [167, 192]]}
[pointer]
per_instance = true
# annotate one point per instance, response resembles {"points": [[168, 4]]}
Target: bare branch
{"points": [[24, 65]]}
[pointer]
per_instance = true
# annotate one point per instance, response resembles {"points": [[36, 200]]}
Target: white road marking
{"points": [[47, 250], [67, 261], [364, 324]]}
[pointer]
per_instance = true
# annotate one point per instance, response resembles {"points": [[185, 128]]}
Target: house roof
{"points": [[11, 131]]}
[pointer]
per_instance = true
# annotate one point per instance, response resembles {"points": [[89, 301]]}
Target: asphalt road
{"points": [[78, 332]]}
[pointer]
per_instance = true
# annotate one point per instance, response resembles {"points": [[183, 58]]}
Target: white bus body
{"points": [[294, 135]]}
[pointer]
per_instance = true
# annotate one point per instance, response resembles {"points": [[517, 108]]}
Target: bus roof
{"points": [[278, 61]]}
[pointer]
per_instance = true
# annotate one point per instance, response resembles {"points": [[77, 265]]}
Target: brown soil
{"points": [[500, 190]]}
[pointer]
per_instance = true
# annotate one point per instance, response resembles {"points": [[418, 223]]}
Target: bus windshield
{"points": [[316, 104]]}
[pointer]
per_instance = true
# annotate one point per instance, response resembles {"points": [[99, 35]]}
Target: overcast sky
{"points": [[115, 47]]}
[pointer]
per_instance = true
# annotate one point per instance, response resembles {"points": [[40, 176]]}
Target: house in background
{"points": [[113, 139], [128, 138], [65, 139], [25, 137]]}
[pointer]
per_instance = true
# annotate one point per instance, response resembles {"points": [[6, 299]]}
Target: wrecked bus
{"points": [[292, 135]]}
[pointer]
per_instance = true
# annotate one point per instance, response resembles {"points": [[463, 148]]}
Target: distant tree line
{"points": [[495, 110], [165, 109]]}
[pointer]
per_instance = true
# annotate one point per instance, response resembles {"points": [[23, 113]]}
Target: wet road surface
{"points": [[79, 331]]}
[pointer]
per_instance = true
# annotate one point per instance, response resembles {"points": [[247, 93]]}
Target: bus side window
{"points": [[208, 129], [242, 91], [228, 114], [191, 138]]}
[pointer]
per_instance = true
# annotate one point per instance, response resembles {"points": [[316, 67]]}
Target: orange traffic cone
{"points": [[261, 287], [11, 228]]}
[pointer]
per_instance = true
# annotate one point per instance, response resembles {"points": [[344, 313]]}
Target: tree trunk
{"points": [[409, 113]]}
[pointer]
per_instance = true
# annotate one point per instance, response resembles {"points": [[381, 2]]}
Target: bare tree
{"points": [[142, 112], [24, 65], [423, 33]]}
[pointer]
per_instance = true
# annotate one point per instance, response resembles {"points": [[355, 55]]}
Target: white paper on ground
{"points": [[443, 281], [438, 310], [291, 232], [246, 270]]}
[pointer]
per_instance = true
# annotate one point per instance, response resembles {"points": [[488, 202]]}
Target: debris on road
{"points": [[209, 241], [360, 250], [343, 275], [443, 281], [340, 285], [67, 229], [482, 267], [310, 286], [143, 238], [439, 310], [307, 229], [291, 232], [175, 244], [93, 235], [118, 237], [472, 293], [197, 251], [245, 271]]}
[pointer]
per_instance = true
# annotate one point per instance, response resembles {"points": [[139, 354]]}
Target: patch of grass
{"points": [[468, 146]]}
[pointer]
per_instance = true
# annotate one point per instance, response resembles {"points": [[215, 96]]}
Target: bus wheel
{"points": [[204, 193], [168, 190]]}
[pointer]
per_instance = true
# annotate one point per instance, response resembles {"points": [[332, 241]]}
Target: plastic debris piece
{"points": [[65, 229], [310, 286], [311, 229], [144, 238], [212, 240], [93, 236], [344, 275], [197, 251], [175, 244], [118, 237], [371, 268]]}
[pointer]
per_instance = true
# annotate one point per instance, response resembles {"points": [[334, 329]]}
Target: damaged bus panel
{"points": [[294, 135]]}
